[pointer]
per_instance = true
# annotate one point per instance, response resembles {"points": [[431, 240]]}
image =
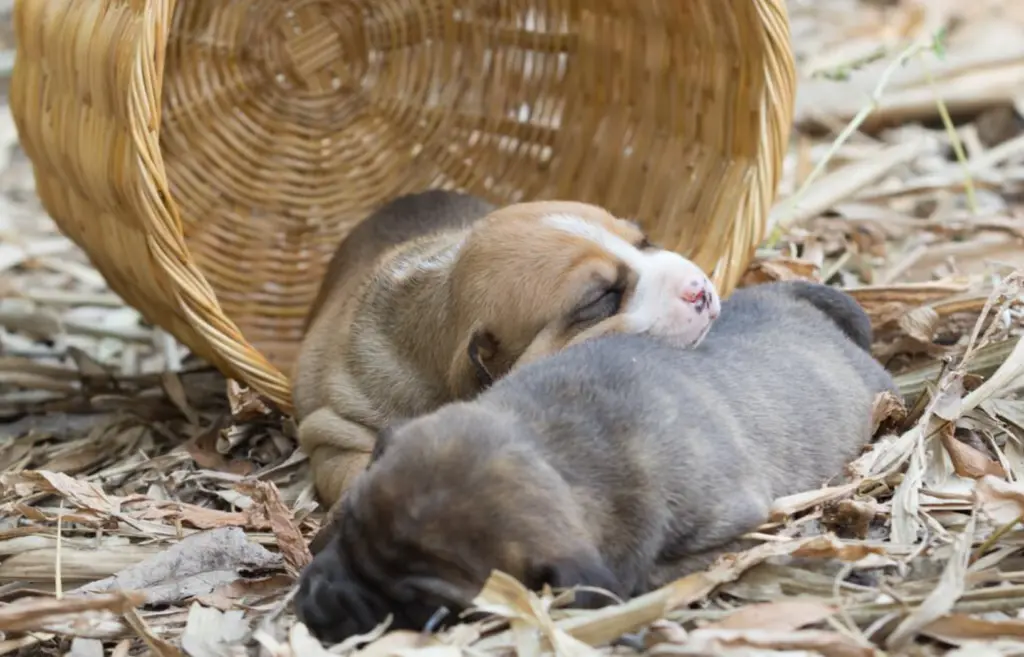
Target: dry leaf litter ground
{"points": [[148, 507]]}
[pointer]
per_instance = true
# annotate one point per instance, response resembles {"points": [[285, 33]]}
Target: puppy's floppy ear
{"points": [[384, 437], [579, 570], [483, 346], [471, 368]]}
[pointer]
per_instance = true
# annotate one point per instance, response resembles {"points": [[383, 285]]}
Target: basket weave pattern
{"points": [[208, 155]]}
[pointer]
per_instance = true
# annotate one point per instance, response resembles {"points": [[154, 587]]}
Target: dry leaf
{"points": [[289, 539], [849, 517], [729, 568], [246, 404], [504, 596], [90, 368], [829, 547], [942, 598], [1008, 378], [86, 648], [402, 642], [212, 633], [706, 642], [780, 269], [960, 628], [227, 596], [176, 393], [303, 644], [298, 643], [609, 623], [197, 516], [1009, 410], [948, 403], [790, 505], [886, 455], [887, 409], [99, 447], [82, 494], [203, 450], [156, 644], [664, 631], [28, 614], [900, 296], [967, 461], [920, 324], [782, 616], [988, 648], [195, 566], [1000, 500]]}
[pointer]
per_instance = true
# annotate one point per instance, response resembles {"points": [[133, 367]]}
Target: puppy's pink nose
{"points": [[701, 298]]}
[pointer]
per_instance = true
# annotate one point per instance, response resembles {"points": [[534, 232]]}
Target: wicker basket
{"points": [[208, 155]]}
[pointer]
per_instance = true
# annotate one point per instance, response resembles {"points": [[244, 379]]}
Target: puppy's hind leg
{"points": [[696, 548], [338, 451]]}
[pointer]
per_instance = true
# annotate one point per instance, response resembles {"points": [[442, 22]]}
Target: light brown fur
{"points": [[411, 318]]}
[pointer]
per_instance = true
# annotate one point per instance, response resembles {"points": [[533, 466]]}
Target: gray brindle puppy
{"points": [[621, 463]]}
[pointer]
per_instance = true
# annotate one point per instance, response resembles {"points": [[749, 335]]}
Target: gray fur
{"points": [[777, 400], [620, 462]]}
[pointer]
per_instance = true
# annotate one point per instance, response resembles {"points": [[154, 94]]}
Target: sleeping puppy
{"points": [[614, 463], [437, 294]]}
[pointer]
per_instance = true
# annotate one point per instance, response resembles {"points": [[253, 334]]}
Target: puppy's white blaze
{"points": [[665, 282], [405, 267]]}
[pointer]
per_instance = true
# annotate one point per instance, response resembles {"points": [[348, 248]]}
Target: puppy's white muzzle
{"points": [[673, 299]]}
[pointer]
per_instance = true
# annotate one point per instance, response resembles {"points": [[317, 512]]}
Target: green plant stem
{"points": [[954, 139]]}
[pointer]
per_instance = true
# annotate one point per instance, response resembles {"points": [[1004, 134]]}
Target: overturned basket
{"points": [[208, 155]]}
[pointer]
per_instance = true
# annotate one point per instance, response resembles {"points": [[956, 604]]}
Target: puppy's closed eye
{"points": [[603, 305]]}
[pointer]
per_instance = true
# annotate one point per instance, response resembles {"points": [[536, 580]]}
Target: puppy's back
{"points": [[401, 220], [794, 299], [776, 400]]}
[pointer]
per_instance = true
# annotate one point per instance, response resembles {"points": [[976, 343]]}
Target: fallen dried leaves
{"points": [[293, 545], [784, 616], [189, 491], [968, 461], [27, 614], [729, 642], [1000, 500]]}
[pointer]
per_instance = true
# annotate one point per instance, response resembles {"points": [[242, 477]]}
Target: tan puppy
{"points": [[617, 463], [437, 294]]}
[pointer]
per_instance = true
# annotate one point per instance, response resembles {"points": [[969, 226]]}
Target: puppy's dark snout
{"points": [[315, 606], [330, 605]]}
